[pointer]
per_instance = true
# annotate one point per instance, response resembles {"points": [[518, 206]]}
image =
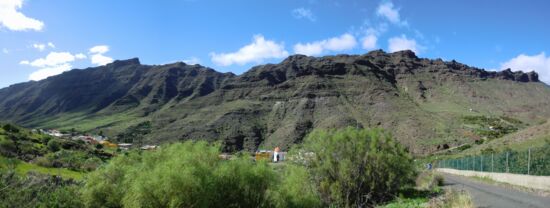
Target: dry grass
{"points": [[429, 181], [452, 199]]}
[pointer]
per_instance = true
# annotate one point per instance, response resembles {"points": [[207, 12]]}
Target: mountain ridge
{"points": [[421, 101]]}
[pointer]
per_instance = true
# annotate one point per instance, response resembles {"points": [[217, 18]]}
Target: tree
{"points": [[355, 167]]}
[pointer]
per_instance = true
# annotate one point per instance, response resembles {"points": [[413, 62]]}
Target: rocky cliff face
{"points": [[420, 101]]}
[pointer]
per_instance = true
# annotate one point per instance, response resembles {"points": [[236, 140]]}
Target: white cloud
{"points": [[58, 62], [15, 20], [303, 13], [341, 43], [539, 63], [46, 72], [52, 59], [99, 59], [369, 42], [53, 64], [192, 60], [386, 10], [257, 51], [97, 56], [400, 43], [80, 56], [42, 46], [39, 46], [99, 49]]}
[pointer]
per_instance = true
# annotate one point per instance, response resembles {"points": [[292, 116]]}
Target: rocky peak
{"points": [[517, 75], [295, 58], [404, 54], [378, 52], [120, 63]]}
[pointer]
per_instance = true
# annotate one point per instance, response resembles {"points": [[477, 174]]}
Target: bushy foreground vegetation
{"points": [[189, 174], [334, 168], [345, 168]]}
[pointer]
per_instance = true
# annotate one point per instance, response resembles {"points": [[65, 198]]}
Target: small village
{"points": [[92, 139], [275, 155]]}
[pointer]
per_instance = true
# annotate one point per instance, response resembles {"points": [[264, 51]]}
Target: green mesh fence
{"points": [[535, 161]]}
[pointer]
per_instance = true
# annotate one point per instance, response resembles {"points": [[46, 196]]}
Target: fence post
{"points": [[492, 161], [507, 165], [529, 162], [474, 163], [481, 163]]}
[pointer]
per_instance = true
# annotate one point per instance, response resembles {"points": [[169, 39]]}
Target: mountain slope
{"points": [[421, 101]]}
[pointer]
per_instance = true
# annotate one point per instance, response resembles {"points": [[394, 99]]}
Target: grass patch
{"points": [[407, 203], [22, 168], [428, 186], [453, 199], [429, 181]]}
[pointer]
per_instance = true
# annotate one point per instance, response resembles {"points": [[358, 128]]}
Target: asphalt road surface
{"points": [[487, 195]]}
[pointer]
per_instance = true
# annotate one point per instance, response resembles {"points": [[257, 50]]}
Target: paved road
{"points": [[486, 195]]}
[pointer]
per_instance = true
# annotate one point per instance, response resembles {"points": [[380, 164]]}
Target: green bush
{"points": [[464, 147], [99, 146], [35, 190], [54, 145], [10, 128], [297, 189], [355, 168], [189, 174], [91, 164], [43, 161], [7, 147]]}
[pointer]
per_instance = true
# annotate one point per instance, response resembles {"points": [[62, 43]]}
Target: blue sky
{"points": [[39, 38]]}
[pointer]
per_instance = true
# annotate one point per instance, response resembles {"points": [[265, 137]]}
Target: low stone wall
{"points": [[537, 182]]}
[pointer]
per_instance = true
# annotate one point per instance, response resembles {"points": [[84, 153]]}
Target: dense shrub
{"points": [[345, 168], [429, 181], [54, 145], [296, 189], [10, 128], [189, 174], [35, 190], [7, 147], [355, 168]]}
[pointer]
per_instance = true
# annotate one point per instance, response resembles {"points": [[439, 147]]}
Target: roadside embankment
{"points": [[536, 182]]}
